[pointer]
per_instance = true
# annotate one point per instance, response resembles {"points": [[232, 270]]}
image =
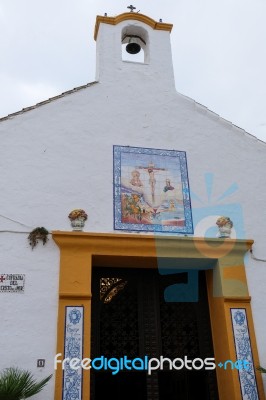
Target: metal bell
{"points": [[133, 48]]}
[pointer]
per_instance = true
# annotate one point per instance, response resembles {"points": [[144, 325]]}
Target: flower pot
{"points": [[78, 224], [225, 231]]}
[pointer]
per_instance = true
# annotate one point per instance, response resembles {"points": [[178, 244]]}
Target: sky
{"points": [[218, 48]]}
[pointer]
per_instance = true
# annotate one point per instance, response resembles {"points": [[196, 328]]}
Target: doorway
{"points": [[131, 318]]}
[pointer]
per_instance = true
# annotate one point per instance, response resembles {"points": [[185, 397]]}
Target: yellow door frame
{"points": [[226, 285]]}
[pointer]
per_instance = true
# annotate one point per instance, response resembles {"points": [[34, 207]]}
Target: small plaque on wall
{"points": [[12, 283]]}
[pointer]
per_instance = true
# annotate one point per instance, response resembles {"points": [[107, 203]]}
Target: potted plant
{"points": [[78, 218], [37, 234], [225, 226], [18, 384]]}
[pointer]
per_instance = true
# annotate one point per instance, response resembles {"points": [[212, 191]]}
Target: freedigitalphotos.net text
{"points": [[148, 364]]}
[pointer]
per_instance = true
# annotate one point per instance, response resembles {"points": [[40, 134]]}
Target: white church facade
{"points": [[152, 274]]}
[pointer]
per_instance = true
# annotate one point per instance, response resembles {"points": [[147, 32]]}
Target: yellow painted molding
{"points": [[235, 299], [80, 251], [131, 16], [75, 296], [153, 245]]}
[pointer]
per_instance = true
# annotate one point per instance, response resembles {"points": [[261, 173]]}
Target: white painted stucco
{"points": [[59, 156]]}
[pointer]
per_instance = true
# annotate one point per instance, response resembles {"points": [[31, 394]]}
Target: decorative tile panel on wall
{"points": [[72, 379], [151, 190], [244, 352]]}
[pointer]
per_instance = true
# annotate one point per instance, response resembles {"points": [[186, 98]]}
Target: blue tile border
{"points": [[247, 377], [73, 348]]}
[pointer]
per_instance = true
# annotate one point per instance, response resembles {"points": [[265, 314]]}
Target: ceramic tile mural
{"points": [[151, 190], [243, 352], [72, 378]]}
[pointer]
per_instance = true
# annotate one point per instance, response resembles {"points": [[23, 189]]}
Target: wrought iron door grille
{"points": [[130, 317]]}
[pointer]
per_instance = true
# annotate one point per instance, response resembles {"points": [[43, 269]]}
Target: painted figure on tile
{"points": [[149, 200], [168, 186], [135, 181], [172, 205], [131, 206], [152, 181]]}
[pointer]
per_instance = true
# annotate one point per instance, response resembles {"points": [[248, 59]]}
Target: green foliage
{"points": [[261, 369], [17, 384], [37, 234]]}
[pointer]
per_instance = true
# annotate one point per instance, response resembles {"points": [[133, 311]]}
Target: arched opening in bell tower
{"points": [[134, 44]]}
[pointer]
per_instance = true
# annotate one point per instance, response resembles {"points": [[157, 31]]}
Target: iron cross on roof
{"points": [[132, 8]]}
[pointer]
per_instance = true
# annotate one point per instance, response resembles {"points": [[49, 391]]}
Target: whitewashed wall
{"points": [[59, 156]]}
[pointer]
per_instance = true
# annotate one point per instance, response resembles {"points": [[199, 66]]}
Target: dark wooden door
{"points": [[131, 318]]}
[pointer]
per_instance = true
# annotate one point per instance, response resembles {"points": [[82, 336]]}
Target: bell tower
{"points": [[146, 41]]}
